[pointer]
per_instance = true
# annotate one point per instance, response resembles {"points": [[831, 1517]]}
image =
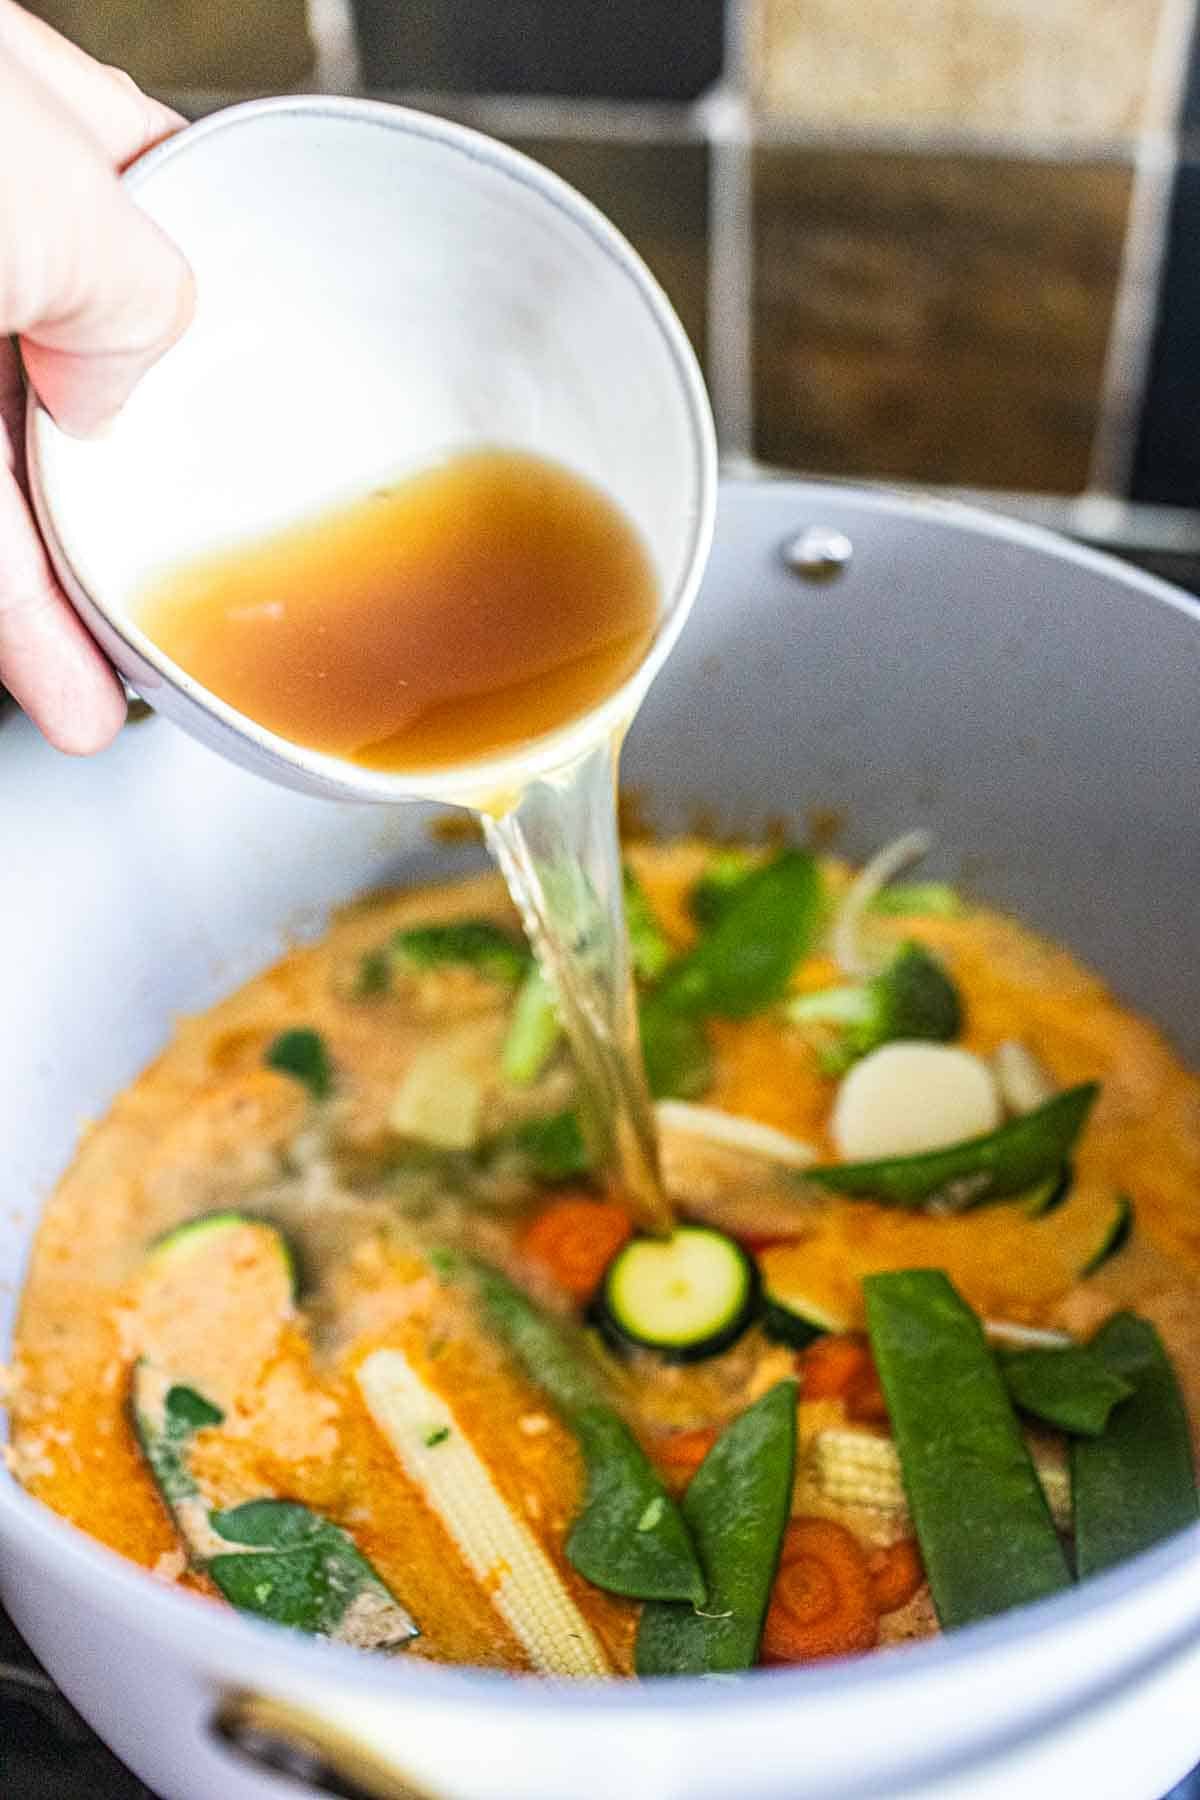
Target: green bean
{"points": [[986, 1535], [1137, 1483], [629, 1537]]}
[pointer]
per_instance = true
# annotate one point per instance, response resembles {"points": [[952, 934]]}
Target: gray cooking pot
{"points": [[1039, 708]]}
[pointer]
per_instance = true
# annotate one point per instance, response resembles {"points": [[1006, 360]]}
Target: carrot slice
{"points": [[684, 1451], [823, 1601], [897, 1573], [830, 1365], [864, 1396], [575, 1239]]}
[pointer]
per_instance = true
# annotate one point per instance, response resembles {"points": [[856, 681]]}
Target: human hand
{"points": [[94, 293]]}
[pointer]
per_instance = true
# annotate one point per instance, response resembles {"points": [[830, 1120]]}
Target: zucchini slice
{"points": [[1113, 1237], [687, 1296], [792, 1316], [1048, 1195], [209, 1235]]}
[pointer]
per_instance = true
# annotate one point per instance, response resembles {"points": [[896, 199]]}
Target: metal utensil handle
{"points": [[309, 1751]]}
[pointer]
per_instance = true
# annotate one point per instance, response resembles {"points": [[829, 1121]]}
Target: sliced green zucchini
{"points": [[790, 1317], [1114, 1237], [207, 1234], [1048, 1195], [301, 1053], [996, 1166], [687, 1296]]}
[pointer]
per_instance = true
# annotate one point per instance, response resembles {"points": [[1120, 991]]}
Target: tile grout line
{"points": [[335, 42], [728, 118], [1139, 280]]}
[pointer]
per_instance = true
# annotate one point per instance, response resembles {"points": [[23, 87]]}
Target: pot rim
{"points": [[223, 1637]]}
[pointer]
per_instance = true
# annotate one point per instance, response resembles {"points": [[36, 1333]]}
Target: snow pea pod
{"points": [[736, 1506], [1136, 1483], [629, 1537], [1070, 1388], [987, 1539], [998, 1165], [744, 961]]}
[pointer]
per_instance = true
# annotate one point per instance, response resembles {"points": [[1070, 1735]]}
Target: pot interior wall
{"points": [[1039, 709]]}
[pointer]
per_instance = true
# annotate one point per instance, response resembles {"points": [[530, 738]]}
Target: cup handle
{"points": [[307, 1749]]}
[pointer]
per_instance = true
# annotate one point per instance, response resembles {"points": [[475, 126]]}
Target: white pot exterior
{"points": [[1040, 708]]}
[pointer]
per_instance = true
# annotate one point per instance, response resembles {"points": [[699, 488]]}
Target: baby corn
{"points": [[498, 1547], [857, 1468]]}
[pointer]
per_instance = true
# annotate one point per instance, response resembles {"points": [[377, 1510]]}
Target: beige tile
{"points": [[933, 318], [657, 195], [1080, 67], [253, 45]]}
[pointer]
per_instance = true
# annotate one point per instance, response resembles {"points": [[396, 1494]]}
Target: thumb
{"points": [[136, 301], [91, 286]]}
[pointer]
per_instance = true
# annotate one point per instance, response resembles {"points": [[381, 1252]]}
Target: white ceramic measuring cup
{"points": [[377, 289]]}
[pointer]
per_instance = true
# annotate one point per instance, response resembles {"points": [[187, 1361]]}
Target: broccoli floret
{"points": [[913, 997]]}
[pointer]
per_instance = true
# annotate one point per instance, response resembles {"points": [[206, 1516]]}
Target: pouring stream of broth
{"points": [[472, 607]]}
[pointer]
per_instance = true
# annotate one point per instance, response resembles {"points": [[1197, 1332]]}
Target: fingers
{"points": [[95, 293], [94, 289], [48, 662], [111, 108]]}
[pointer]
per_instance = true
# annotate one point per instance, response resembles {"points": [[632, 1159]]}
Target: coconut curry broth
{"points": [[210, 1127]]}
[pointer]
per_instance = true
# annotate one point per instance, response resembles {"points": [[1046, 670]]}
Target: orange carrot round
{"points": [[897, 1573], [575, 1239], [683, 1451], [829, 1365], [864, 1396], [823, 1602]]}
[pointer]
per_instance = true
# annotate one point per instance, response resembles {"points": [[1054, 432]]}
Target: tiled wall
{"points": [[953, 242]]}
